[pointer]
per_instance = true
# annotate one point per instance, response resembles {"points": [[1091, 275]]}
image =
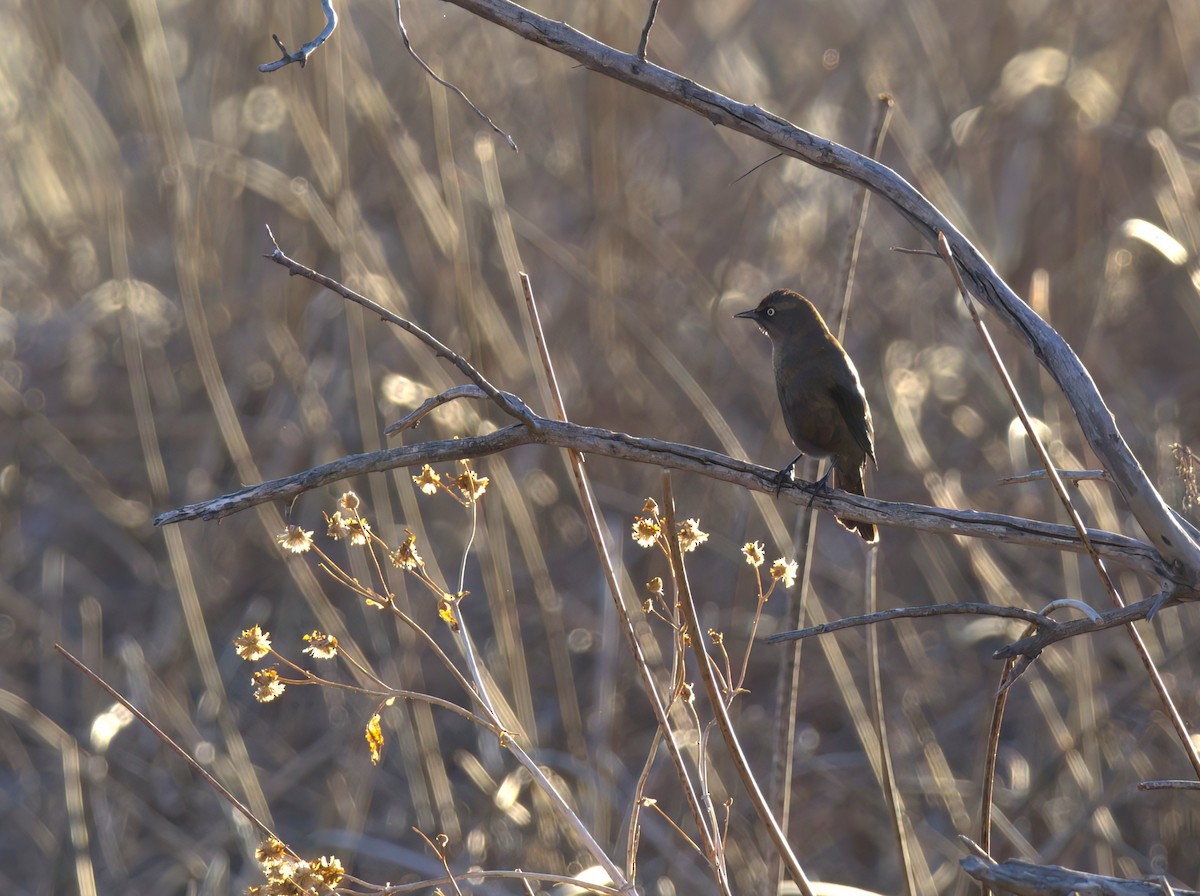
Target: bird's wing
{"points": [[853, 406]]}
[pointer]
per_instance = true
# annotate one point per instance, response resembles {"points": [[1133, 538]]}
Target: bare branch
{"points": [[413, 418], [957, 609], [672, 455], [1179, 550], [506, 401], [1169, 785], [466, 99], [1027, 879], [1060, 631], [305, 51], [1075, 476]]}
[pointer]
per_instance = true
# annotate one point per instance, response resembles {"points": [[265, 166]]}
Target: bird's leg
{"points": [[784, 475], [819, 486]]}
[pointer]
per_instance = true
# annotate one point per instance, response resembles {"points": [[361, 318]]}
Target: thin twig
{"points": [[413, 418], [959, 609], [166, 739], [466, 99], [704, 663], [305, 51], [506, 401], [645, 40], [1065, 475]]}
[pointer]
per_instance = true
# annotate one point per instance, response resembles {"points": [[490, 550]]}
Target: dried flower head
{"points": [[252, 644], [690, 536], [330, 870], [655, 586], [428, 481], [718, 638], [406, 556], [753, 552], [337, 528], [645, 531], [349, 502], [360, 530], [471, 484], [650, 507], [270, 854], [374, 735], [267, 685], [295, 539], [783, 571], [320, 645], [304, 878], [446, 610]]}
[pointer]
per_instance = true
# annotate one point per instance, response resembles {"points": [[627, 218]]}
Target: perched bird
{"points": [[824, 405]]}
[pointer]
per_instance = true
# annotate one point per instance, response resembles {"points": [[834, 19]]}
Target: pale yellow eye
{"points": [[770, 312]]}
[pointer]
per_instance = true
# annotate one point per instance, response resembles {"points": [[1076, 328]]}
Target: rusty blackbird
{"points": [[824, 405]]}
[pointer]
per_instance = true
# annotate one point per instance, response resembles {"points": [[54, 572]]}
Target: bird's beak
{"points": [[752, 314]]}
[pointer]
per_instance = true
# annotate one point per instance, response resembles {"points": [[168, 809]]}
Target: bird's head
{"points": [[786, 313]]}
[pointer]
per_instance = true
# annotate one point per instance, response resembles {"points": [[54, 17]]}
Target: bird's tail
{"points": [[849, 479]]}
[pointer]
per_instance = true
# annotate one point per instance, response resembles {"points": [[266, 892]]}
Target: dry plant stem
{"points": [[633, 835], [991, 757], [786, 697], [879, 128], [507, 402], [305, 51], [891, 792], [704, 665], [1180, 552], [595, 526], [1139, 645], [385, 691], [511, 743], [1027, 879], [466, 99], [992, 751], [166, 739]]}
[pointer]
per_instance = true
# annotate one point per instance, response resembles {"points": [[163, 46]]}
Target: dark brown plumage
{"points": [[823, 402]]}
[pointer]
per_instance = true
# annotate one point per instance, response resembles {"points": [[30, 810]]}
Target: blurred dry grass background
{"points": [[149, 357]]}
